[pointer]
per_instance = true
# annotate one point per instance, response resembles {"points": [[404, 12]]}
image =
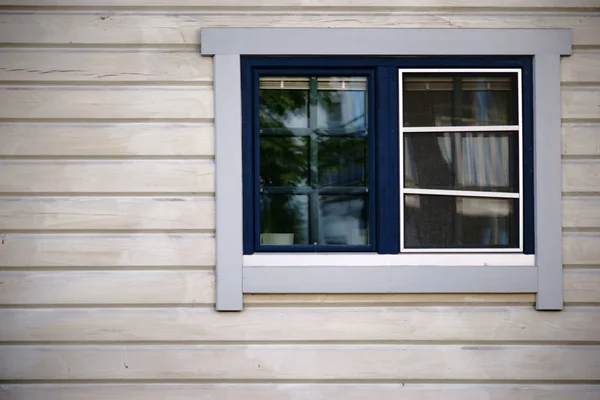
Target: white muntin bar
{"points": [[465, 129], [520, 116], [461, 193]]}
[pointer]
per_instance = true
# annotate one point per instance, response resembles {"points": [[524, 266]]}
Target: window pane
{"points": [[283, 108], [344, 220], [446, 221], [342, 161], [340, 106], [284, 219], [461, 161], [460, 99], [284, 161]]}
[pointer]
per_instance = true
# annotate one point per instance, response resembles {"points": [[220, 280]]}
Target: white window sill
{"points": [[388, 260]]}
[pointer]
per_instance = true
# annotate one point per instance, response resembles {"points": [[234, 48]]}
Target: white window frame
{"points": [[462, 193], [237, 274]]}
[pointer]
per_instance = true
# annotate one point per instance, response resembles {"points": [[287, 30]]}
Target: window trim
{"points": [[233, 278]]}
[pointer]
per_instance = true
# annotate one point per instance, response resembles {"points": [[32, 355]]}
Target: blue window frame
{"points": [[382, 135]]}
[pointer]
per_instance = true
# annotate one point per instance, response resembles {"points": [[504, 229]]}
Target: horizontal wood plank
{"points": [[114, 140], [581, 248], [581, 139], [182, 391], [116, 213], [32, 103], [304, 362], [104, 66], [479, 324], [581, 212], [581, 176], [106, 251], [581, 102], [108, 287], [293, 4], [581, 66], [97, 176], [183, 288], [582, 286], [180, 29], [26, 102]]}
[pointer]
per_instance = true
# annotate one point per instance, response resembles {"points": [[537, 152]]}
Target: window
{"points": [[404, 161], [318, 166]]}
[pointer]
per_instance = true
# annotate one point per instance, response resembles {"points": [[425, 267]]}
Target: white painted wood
{"points": [[186, 287], [464, 193], [96, 250], [116, 139], [492, 128], [581, 139], [581, 248], [581, 212], [191, 288], [182, 29], [27, 65], [581, 66], [581, 176], [297, 391], [365, 324], [73, 102], [111, 213], [377, 260], [115, 176], [362, 5], [580, 102], [582, 286], [302, 362]]}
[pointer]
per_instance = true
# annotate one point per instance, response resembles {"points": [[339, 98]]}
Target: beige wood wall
{"points": [[107, 223]]}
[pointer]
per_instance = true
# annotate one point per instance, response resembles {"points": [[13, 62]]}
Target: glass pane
{"points": [[340, 106], [282, 107], [460, 99], [343, 220], [445, 221], [342, 161], [284, 219], [284, 161], [461, 161]]}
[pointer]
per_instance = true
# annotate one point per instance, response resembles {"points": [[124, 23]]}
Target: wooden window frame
{"points": [[236, 274]]}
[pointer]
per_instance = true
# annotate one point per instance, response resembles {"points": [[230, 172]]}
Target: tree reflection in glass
{"points": [[313, 161]]}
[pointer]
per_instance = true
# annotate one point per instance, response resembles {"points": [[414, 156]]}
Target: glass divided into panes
{"points": [[461, 161], [313, 160], [448, 221], [461, 139], [460, 99]]}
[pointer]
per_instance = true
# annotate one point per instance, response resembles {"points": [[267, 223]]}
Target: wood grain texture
{"points": [[581, 248], [107, 176], [106, 251], [113, 139], [581, 139], [581, 66], [102, 66], [302, 362], [581, 212], [363, 5], [582, 286], [117, 213], [183, 29], [581, 102], [26, 102], [108, 287], [183, 287], [581, 176], [298, 392], [372, 324]]}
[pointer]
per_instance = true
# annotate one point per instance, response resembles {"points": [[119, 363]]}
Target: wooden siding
{"points": [[107, 222]]}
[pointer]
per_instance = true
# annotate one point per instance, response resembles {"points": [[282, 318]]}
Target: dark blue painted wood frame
{"points": [[383, 136]]}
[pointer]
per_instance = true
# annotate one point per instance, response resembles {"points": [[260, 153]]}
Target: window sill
{"points": [[406, 273]]}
